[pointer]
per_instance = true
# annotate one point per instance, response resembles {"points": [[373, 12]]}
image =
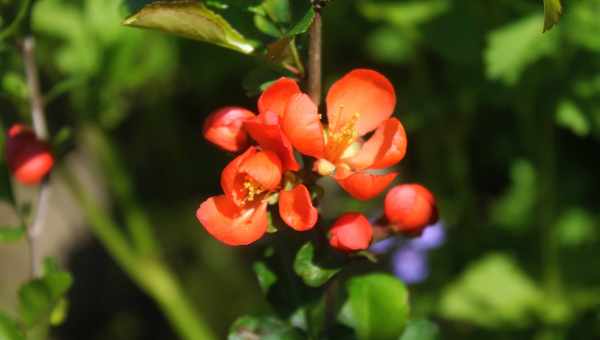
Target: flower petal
{"points": [[230, 224], [231, 181], [263, 167], [385, 148], [296, 208], [302, 125], [351, 232], [364, 186], [275, 98], [270, 137], [364, 92], [224, 128]]}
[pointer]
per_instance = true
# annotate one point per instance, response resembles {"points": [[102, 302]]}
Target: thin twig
{"points": [[41, 130], [314, 56]]}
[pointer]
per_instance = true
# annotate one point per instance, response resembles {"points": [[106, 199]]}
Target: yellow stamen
{"points": [[340, 139], [253, 189]]}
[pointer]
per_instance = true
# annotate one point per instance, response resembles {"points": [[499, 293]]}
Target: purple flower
{"points": [[410, 265], [432, 237], [383, 246]]}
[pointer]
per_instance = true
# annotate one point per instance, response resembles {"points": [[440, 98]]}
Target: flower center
{"points": [[253, 189], [339, 139]]}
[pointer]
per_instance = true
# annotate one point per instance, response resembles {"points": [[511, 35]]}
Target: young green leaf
{"points": [[266, 277], [302, 25], [515, 46], [9, 330], [377, 307], [40, 299], [190, 19], [421, 329], [11, 234], [552, 13], [312, 274], [493, 292]]}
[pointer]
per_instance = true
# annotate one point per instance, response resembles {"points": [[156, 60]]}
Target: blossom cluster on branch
{"points": [[354, 143]]}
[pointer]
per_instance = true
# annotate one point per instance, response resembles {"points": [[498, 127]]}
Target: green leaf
{"points": [[421, 330], [312, 274], [570, 117], [59, 313], [190, 19], [494, 293], [277, 10], [377, 307], [302, 25], [515, 46], [35, 302], [11, 234], [266, 277], [405, 14], [264, 328], [552, 13], [9, 330], [512, 211], [40, 298], [576, 227]]}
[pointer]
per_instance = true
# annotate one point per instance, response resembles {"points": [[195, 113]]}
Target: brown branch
{"points": [[41, 130], [314, 56]]}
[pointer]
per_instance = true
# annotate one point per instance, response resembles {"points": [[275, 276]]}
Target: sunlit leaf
{"points": [[576, 227], [493, 292], [552, 13], [421, 329], [11, 234], [405, 14], [9, 330], [264, 328], [377, 307], [190, 19], [569, 116], [311, 273], [515, 46]]}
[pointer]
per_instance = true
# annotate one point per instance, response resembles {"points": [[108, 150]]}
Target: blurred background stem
{"points": [[139, 258]]}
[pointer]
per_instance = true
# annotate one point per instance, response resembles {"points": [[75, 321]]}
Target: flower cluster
{"points": [[288, 123]]}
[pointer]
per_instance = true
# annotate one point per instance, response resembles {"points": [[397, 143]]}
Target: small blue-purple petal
{"points": [[432, 237], [410, 265], [385, 245]]}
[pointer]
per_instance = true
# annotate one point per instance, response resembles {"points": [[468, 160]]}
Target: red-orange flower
{"points": [[358, 103], [29, 159], [239, 217], [266, 130], [224, 128], [351, 232], [410, 208]]}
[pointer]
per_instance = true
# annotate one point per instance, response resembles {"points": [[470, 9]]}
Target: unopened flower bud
{"points": [[410, 208], [29, 159], [224, 128], [351, 232]]}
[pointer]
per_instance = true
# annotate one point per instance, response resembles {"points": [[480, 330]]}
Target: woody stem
{"points": [[41, 130], [314, 55]]}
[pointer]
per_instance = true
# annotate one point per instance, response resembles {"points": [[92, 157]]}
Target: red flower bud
{"points": [[351, 232], [410, 208], [224, 128], [29, 159]]}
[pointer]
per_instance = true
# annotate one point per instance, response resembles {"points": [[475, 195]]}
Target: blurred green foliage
{"points": [[503, 124]]}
